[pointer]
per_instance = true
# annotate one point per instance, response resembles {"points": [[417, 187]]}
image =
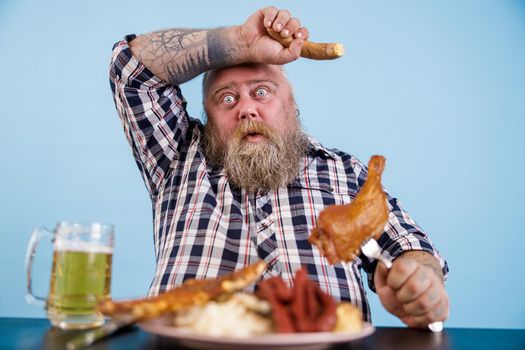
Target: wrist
{"points": [[224, 48], [424, 258], [240, 45]]}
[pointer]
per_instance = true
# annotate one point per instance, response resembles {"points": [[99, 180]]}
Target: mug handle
{"points": [[36, 236]]}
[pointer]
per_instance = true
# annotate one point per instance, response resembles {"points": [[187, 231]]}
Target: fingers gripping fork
{"points": [[371, 249]]}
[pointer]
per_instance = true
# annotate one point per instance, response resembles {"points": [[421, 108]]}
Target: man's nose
{"points": [[247, 109]]}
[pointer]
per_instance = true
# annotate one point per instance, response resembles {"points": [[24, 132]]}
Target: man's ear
{"points": [[204, 116]]}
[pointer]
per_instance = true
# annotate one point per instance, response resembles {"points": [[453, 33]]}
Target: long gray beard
{"points": [[263, 166]]}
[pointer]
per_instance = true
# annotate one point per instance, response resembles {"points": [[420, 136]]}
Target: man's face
{"points": [[253, 132], [259, 93]]}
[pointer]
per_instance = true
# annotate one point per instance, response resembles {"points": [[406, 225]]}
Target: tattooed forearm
{"points": [[178, 55]]}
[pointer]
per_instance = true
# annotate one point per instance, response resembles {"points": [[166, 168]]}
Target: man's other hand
{"points": [[413, 289]]}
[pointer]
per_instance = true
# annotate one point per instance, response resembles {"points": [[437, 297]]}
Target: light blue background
{"points": [[438, 87]]}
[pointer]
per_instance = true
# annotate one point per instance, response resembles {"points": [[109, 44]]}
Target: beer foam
{"points": [[81, 246]]}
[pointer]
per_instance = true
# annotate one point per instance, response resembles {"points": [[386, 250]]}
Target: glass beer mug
{"points": [[80, 273]]}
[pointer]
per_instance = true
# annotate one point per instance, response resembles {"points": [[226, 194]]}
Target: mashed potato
{"points": [[349, 318], [242, 315]]}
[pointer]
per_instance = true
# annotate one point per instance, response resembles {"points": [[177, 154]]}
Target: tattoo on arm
{"points": [[179, 55]]}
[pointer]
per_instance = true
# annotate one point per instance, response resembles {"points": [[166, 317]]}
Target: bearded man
{"points": [[250, 184]]}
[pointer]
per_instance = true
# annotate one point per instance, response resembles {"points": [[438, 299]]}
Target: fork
{"points": [[371, 249]]}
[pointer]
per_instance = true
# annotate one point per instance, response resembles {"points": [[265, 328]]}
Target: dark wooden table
{"points": [[36, 333]]}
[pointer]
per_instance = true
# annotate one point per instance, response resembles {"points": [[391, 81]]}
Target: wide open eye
{"points": [[228, 99], [261, 92]]}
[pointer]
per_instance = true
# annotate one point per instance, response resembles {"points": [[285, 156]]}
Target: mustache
{"points": [[252, 126]]}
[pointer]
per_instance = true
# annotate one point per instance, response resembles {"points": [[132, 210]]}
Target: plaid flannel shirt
{"points": [[204, 228]]}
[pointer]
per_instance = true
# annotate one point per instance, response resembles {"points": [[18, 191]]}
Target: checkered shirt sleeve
{"points": [[152, 113]]}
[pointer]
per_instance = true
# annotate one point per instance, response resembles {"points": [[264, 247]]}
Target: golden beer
{"points": [[79, 280], [80, 273]]}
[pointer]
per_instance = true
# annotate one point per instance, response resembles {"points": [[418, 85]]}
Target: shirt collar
{"points": [[317, 149]]}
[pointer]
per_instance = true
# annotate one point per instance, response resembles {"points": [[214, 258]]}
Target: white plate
{"points": [[292, 341]]}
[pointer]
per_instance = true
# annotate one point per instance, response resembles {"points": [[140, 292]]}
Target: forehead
{"points": [[246, 74]]}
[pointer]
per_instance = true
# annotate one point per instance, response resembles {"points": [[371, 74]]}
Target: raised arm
{"points": [[178, 55]]}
